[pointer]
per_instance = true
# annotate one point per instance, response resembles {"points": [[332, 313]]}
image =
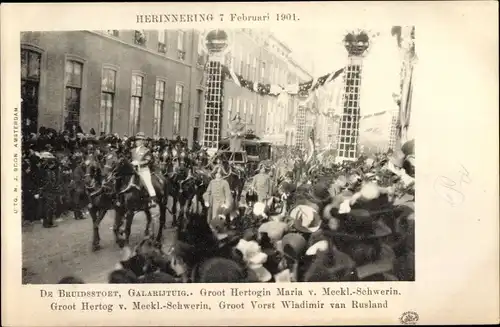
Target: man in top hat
{"points": [[262, 185], [112, 155], [78, 185], [141, 158], [218, 195], [48, 190]]}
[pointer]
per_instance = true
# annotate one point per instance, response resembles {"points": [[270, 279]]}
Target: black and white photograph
{"points": [[232, 155]]}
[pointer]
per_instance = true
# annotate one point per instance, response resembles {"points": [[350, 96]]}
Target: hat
{"points": [[384, 264], [140, 136], [218, 224], [223, 212], [273, 229], [329, 265], [408, 148], [306, 218], [287, 187], [254, 258], [293, 245], [251, 196], [320, 190], [46, 156], [77, 154], [158, 278], [219, 270], [319, 246], [259, 209], [358, 224]]}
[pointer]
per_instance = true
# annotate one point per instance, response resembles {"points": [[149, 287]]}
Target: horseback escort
{"points": [[141, 159]]}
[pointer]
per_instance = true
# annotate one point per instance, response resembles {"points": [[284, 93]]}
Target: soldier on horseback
{"points": [[141, 159]]}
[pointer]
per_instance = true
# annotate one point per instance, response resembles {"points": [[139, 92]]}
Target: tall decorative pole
{"points": [[301, 125], [356, 44], [216, 43], [409, 59]]}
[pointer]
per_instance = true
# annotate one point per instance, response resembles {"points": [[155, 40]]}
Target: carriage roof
{"points": [[225, 141]]}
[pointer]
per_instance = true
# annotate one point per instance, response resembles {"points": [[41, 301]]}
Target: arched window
{"points": [[136, 103], [108, 90], [73, 90], [30, 85]]}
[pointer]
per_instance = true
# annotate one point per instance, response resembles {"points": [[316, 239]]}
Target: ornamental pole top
{"points": [[356, 43], [215, 41]]}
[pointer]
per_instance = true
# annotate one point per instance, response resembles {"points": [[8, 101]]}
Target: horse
{"points": [[202, 178], [185, 190], [170, 168], [135, 199], [101, 197], [236, 181]]}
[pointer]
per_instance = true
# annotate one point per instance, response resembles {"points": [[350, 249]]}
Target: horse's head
{"points": [[110, 162], [92, 172], [123, 167]]}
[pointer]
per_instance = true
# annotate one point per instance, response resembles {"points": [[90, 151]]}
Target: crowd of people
{"points": [[331, 222], [53, 169]]}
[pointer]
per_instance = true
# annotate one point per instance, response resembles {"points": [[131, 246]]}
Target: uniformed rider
{"points": [[141, 158]]}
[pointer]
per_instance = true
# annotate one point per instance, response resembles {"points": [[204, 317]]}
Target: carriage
{"points": [[255, 151]]}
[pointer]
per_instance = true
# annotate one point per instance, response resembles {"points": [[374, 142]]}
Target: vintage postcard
{"points": [[345, 150]]}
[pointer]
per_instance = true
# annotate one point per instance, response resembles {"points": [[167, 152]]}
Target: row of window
{"points": [[140, 38], [276, 114], [257, 38], [136, 104], [73, 81], [246, 66], [240, 107]]}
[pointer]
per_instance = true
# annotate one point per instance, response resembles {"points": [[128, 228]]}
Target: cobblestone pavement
{"points": [[52, 253]]}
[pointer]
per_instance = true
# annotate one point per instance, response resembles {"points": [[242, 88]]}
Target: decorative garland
{"points": [[275, 90]]}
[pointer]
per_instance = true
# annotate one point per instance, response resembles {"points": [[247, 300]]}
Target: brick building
{"points": [[258, 55], [114, 81]]}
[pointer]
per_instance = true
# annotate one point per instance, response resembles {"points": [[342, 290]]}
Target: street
{"points": [[50, 254]]}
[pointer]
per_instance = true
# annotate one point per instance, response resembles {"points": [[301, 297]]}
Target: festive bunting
{"points": [[303, 89]]}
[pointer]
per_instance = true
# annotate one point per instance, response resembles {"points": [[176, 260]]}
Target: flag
{"points": [[313, 83], [335, 75], [234, 77], [311, 149], [405, 106]]}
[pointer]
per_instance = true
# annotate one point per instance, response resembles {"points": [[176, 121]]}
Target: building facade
{"points": [[257, 55], [114, 81], [329, 103], [375, 132]]}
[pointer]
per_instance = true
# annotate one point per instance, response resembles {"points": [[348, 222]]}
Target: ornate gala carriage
{"points": [[254, 152]]}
